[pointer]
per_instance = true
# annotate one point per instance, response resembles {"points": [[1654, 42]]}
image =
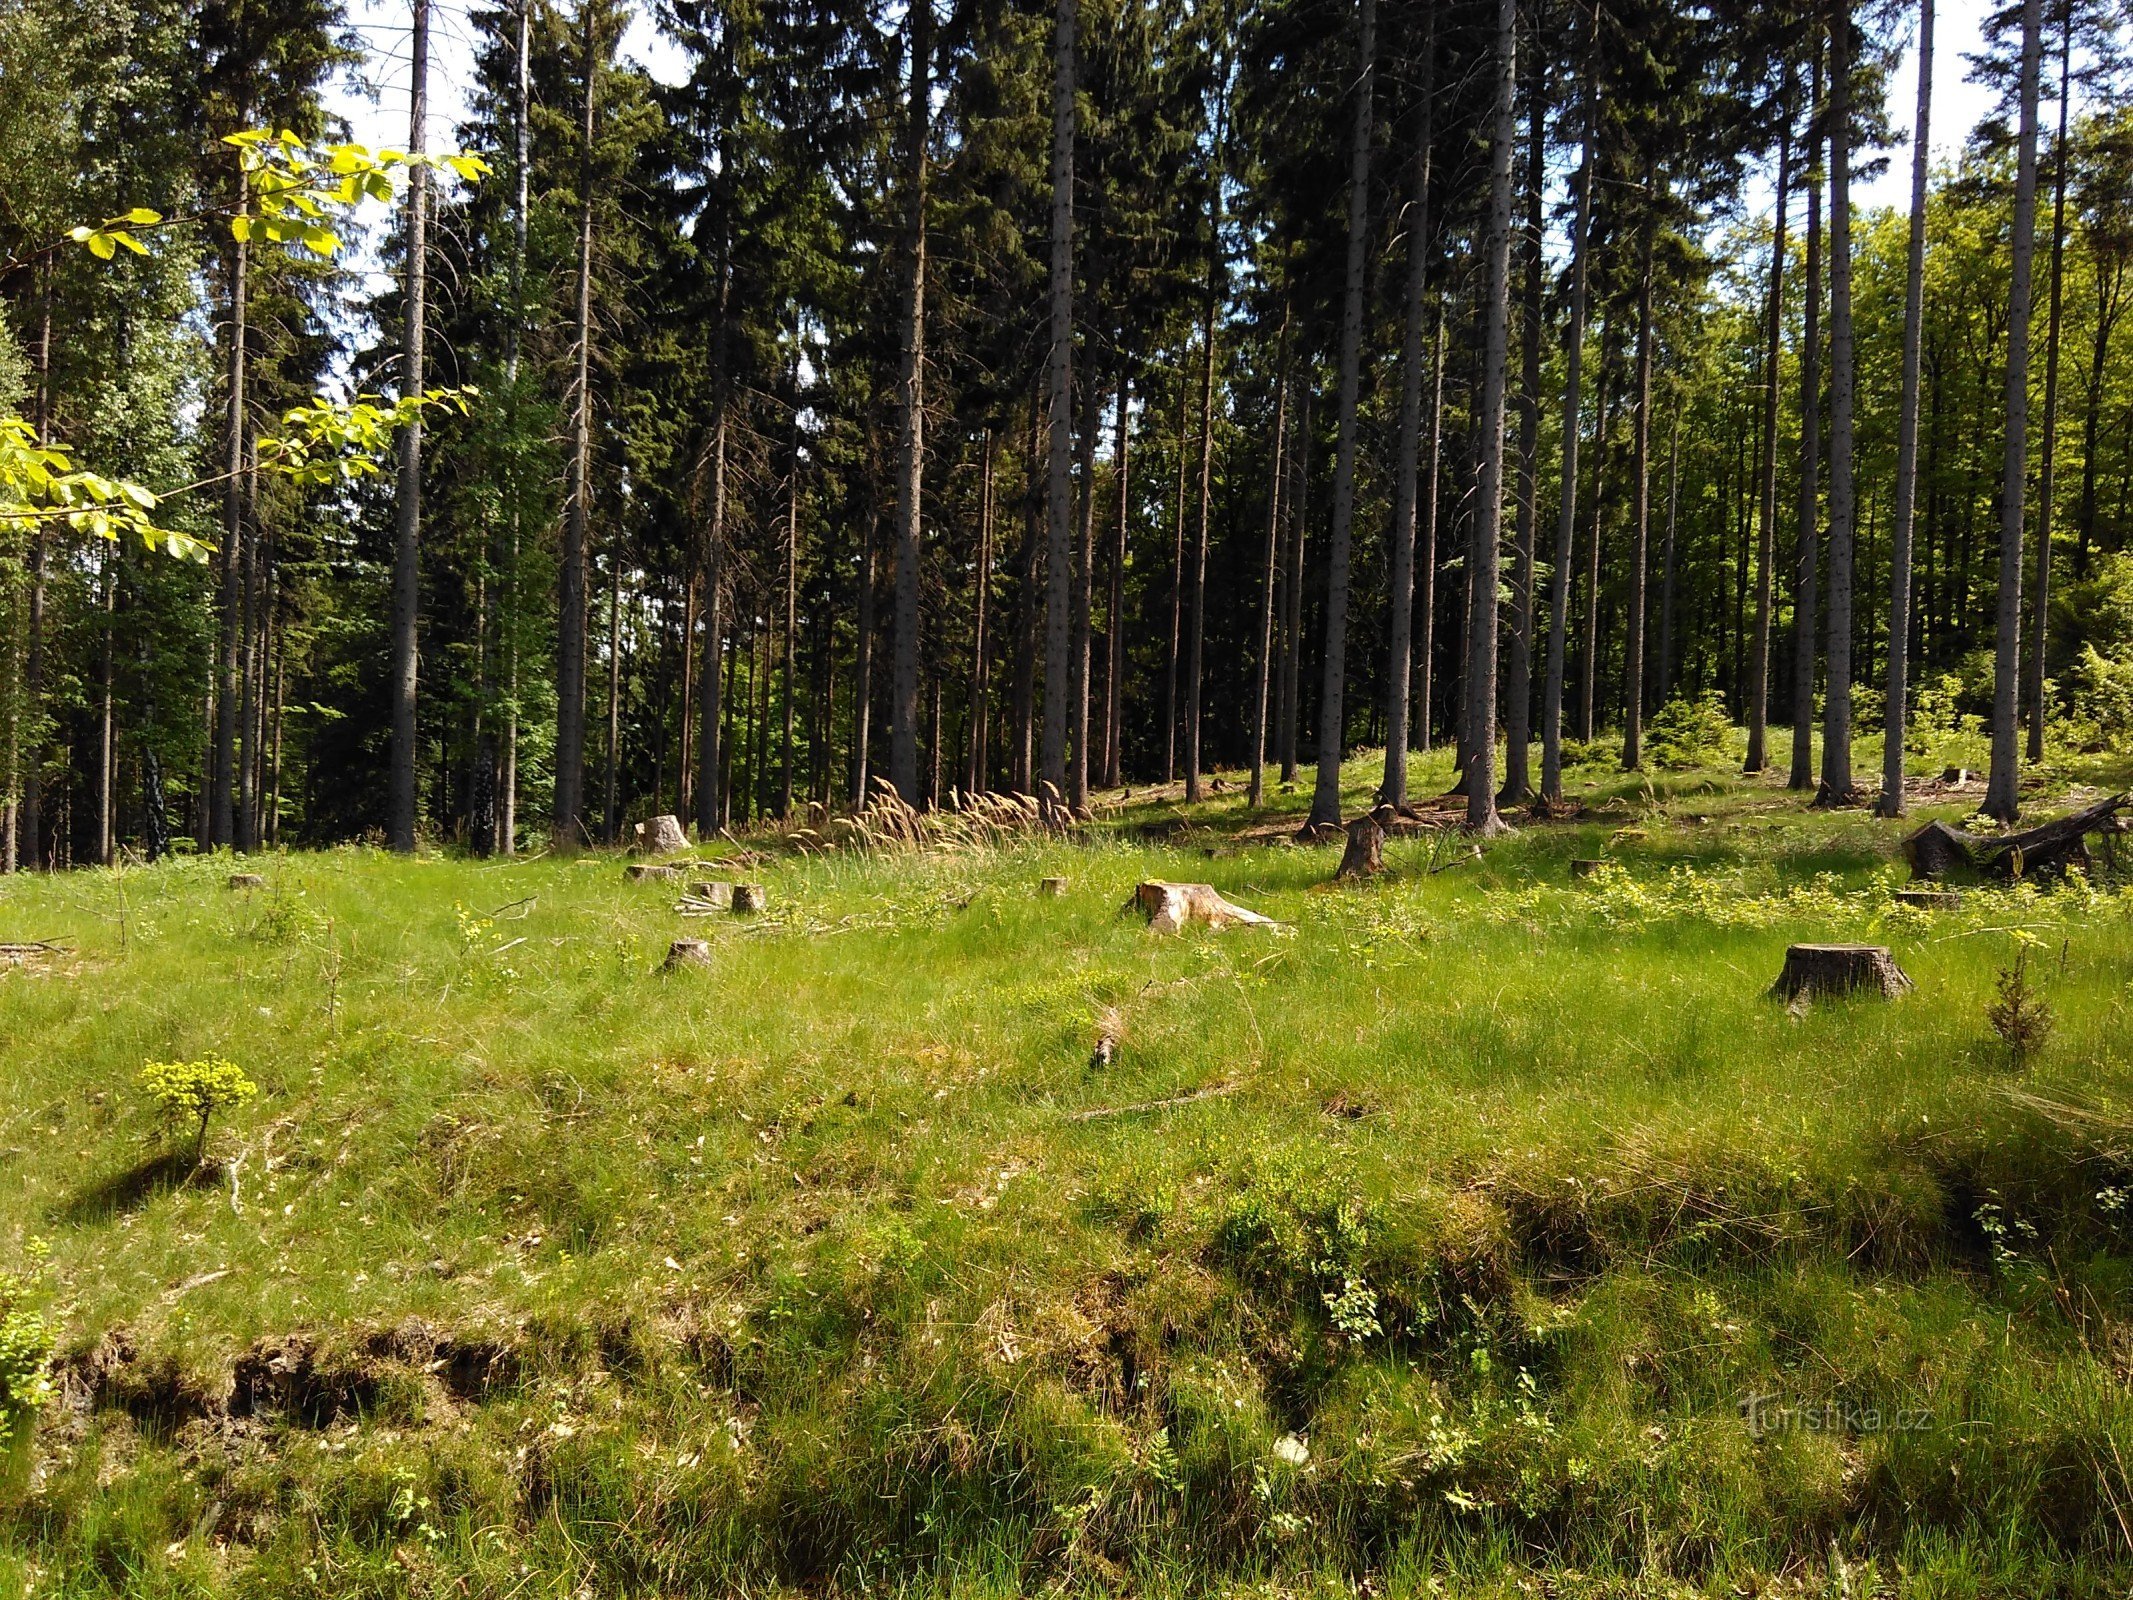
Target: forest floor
{"points": [[1478, 1231]]}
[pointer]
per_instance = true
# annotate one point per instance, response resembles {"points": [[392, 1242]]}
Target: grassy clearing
{"points": [[1431, 1245]]}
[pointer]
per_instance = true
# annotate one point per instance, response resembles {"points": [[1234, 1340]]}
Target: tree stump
{"points": [[686, 953], [1929, 899], [1956, 777], [1172, 907], [1812, 970], [641, 873], [1053, 887], [1584, 868], [1365, 855], [716, 895], [247, 880], [749, 898], [661, 836]]}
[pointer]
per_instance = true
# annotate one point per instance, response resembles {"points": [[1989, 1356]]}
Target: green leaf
{"points": [[241, 229], [101, 247]]}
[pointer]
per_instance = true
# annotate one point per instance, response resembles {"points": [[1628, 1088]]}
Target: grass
{"points": [[1434, 1244]]}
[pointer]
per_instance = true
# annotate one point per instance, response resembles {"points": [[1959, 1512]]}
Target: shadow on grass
{"points": [[121, 1193]]}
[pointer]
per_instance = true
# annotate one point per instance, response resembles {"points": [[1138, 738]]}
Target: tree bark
{"points": [[222, 802], [1196, 645], [1641, 516], [1892, 753], [1292, 599], [572, 608], [709, 751], [1806, 557], [911, 397], [1766, 543], [1518, 696], [1059, 395], [1256, 796], [407, 526], [2047, 439], [2002, 793], [1115, 609], [1400, 656], [980, 694], [1426, 555], [1326, 792], [1838, 787], [1485, 551]]}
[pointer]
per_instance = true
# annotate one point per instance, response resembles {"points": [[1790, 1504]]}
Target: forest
{"points": [[1005, 401]]}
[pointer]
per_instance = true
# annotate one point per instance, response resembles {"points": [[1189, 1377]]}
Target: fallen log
{"points": [[650, 874], [2045, 851], [1172, 907]]}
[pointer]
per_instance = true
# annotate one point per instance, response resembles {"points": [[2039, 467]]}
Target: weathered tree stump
{"points": [[1053, 887], [2045, 851], [1365, 855], [661, 836], [1956, 777], [1585, 868], [247, 880], [1172, 907], [686, 953], [1812, 970], [643, 873], [1929, 899], [714, 894], [749, 898]]}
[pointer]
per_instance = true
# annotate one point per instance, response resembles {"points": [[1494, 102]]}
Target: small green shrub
{"points": [[2020, 1016], [1689, 733], [189, 1093], [25, 1352]]}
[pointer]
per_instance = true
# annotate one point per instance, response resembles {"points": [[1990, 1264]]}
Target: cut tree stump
{"points": [[749, 898], [1172, 907], [1365, 855], [1584, 868], [641, 873], [686, 953], [1929, 899], [719, 896], [2045, 851], [247, 880], [1052, 886], [661, 836], [1812, 970]]}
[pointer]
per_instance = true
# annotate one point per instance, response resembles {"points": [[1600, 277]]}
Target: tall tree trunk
{"points": [[1518, 695], [1197, 632], [1589, 655], [1080, 620], [1171, 683], [911, 440], [611, 797], [1838, 787], [1484, 559], [1807, 554], [1292, 599], [1892, 803], [1115, 608], [2047, 439], [1263, 678], [222, 803], [522, 139], [1059, 400], [1641, 515], [407, 525], [1399, 674], [1426, 555], [1326, 792], [1668, 561], [863, 648], [1766, 544], [792, 624], [712, 556], [1028, 611], [572, 601], [974, 779], [2002, 793]]}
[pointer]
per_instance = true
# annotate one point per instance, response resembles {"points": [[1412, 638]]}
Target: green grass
{"points": [[839, 1266]]}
